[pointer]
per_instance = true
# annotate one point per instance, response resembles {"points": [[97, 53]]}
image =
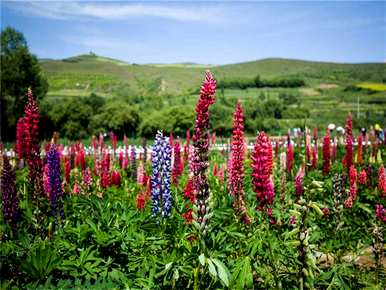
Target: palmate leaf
{"points": [[242, 276]]}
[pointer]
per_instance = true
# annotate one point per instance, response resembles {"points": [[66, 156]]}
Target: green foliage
{"points": [[116, 116], [257, 82], [106, 243], [20, 70], [176, 119]]}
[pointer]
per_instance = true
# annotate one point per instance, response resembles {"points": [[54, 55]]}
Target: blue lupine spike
{"points": [[56, 192], [160, 179]]}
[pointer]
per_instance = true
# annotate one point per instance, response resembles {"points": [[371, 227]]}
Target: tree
{"points": [[19, 71]]}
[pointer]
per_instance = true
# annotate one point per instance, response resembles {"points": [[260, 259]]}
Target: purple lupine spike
{"points": [[56, 191], [166, 173], [161, 175], [155, 177], [9, 196]]}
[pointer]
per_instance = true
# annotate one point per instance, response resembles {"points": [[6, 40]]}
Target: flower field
{"points": [[288, 212]]}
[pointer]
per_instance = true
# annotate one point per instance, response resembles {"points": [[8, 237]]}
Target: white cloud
{"points": [[116, 11]]}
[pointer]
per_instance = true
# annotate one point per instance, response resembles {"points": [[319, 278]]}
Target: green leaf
{"points": [[247, 273], [201, 258], [223, 272], [212, 268]]}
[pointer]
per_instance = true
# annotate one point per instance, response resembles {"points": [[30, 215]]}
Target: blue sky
{"points": [[202, 32]]}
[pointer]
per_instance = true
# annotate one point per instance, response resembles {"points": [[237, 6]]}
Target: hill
{"points": [[98, 73], [164, 95]]}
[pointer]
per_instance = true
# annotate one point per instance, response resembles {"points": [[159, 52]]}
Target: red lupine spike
{"points": [[237, 163], [353, 182], [363, 177], [382, 181], [22, 139], [290, 155], [201, 148], [299, 181], [326, 153], [262, 170]]}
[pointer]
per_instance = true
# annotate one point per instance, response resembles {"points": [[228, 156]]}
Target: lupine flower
{"points": [[166, 175], [46, 181], [353, 182], [31, 123], [299, 181], [80, 158], [237, 164], [308, 150], [363, 177], [22, 137], [76, 188], [188, 216], [140, 173], [334, 149], [189, 191], [9, 196], [143, 196], [56, 192], [120, 159], [177, 164], [382, 181], [116, 178], [283, 178], [140, 201], [262, 170], [380, 213], [290, 155], [359, 149], [133, 163], [347, 161], [200, 151], [186, 146], [87, 179], [125, 162], [189, 194], [105, 171], [326, 153], [160, 179], [314, 154], [67, 169]]}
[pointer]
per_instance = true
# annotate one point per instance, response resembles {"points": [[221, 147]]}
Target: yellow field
{"points": [[372, 86]]}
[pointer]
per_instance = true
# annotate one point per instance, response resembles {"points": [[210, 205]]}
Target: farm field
{"points": [[298, 212]]}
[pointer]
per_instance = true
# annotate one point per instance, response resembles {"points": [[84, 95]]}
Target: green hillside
{"points": [[95, 73], [163, 96]]}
